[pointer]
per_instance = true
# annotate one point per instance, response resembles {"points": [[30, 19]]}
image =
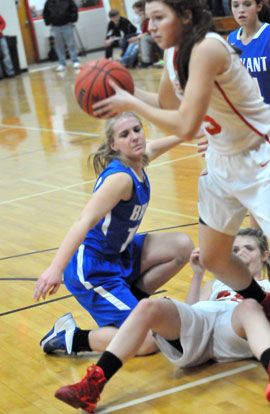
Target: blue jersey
{"points": [[256, 56], [117, 229]]}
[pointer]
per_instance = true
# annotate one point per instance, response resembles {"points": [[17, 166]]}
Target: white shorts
{"points": [[206, 333], [233, 185]]}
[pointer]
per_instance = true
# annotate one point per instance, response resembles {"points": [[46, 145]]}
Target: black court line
{"points": [[35, 305], [27, 279], [56, 300], [28, 254], [55, 248]]}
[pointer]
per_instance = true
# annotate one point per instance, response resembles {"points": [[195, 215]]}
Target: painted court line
{"points": [[172, 213], [47, 192], [53, 190], [55, 131], [177, 389], [172, 161]]}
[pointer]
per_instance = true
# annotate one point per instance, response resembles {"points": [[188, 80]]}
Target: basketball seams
{"points": [[92, 83], [127, 78]]}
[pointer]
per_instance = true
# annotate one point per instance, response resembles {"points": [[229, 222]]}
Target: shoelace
{"points": [[87, 388]]}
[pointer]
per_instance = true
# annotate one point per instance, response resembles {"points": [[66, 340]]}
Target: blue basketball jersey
{"points": [[256, 56], [117, 229]]}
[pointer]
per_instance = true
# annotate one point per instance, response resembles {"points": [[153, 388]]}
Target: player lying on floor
{"points": [[215, 323]]}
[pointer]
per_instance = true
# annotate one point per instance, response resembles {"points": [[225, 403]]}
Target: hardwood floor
{"points": [[45, 139]]}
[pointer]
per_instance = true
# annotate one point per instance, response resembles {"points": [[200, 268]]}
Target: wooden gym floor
{"points": [[45, 139]]}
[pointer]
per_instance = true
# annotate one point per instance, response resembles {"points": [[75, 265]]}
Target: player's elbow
{"points": [[189, 134], [191, 131]]}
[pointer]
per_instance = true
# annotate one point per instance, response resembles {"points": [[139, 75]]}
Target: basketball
{"points": [[92, 83]]}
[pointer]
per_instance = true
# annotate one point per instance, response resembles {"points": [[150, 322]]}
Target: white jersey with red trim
{"points": [[237, 118], [172, 72], [220, 291], [173, 75]]}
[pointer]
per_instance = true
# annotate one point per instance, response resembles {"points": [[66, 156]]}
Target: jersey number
{"points": [[214, 128], [132, 232]]}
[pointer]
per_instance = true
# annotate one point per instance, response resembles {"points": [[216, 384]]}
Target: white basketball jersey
{"points": [[237, 117], [220, 291], [172, 72]]}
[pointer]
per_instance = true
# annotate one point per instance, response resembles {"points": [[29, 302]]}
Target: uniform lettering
{"points": [[255, 64], [138, 212]]}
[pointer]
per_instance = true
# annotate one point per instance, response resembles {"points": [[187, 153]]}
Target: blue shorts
{"points": [[102, 286]]}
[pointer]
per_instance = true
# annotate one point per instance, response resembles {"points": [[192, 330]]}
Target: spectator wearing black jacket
{"points": [[118, 30], [60, 14]]}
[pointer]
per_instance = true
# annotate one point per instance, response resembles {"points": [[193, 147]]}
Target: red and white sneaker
{"points": [[86, 393], [266, 305]]}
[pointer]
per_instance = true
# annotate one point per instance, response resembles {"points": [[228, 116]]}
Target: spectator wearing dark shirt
{"points": [[61, 14], [118, 30]]}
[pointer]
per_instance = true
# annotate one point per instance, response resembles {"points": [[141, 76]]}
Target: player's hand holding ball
{"points": [[100, 80]]}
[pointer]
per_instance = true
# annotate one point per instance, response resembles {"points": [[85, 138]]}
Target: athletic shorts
{"points": [[206, 333], [233, 185], [102, 286]]}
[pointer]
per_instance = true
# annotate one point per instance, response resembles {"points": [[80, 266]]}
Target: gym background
{"points": [[31, 38]]}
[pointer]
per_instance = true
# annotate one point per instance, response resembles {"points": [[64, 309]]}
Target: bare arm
{"points": [[206, 290], [116, 187], [158, 146], [208, 59], [197, 293], [193, 295], [165, 98]]}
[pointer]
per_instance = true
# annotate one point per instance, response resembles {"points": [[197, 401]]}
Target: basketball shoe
{"points": [[77, 65], [60, 336], [266, 305], [86, 393], [60, 68]]}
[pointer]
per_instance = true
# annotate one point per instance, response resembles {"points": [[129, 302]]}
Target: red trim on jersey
{"points": [[238, 113], [174, 60], [263, 164]]}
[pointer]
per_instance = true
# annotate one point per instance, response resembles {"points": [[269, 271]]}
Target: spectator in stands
{"points": [[138, 8], [118, 31], [60, 15], [148, 47], [5, 59]]}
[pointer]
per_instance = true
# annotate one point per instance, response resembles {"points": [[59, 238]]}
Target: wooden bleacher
{"points": [[225, 24]]}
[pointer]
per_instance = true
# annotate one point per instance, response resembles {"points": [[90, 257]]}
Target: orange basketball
{"points": [[92, 83]]}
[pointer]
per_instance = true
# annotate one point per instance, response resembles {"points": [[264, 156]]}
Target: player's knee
{"points": [[184, 246], [207, 262], [210, 261], [147, 309]]}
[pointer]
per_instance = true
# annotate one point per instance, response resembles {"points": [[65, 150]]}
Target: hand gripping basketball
{"points": [[92, 83]]}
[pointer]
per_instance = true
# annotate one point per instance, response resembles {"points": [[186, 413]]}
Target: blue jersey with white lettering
{"points": [[117, 229], [256, 56]]}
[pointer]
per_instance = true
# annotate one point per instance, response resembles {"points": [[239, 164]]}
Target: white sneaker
{"points": [[60, 336], [77, 65], [60, 68]]}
